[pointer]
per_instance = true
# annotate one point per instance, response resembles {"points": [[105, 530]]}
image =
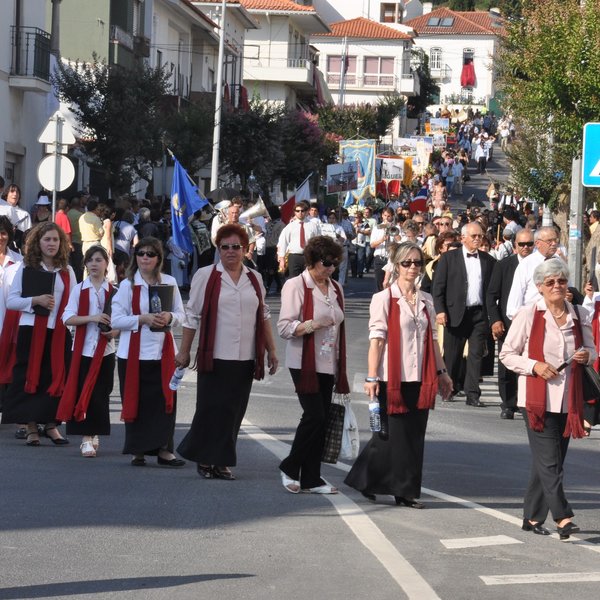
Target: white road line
{"points": [[403, 573], [540, 578], [476, 542]]}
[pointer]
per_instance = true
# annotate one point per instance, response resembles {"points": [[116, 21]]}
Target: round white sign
{"points": [[52, 178]]}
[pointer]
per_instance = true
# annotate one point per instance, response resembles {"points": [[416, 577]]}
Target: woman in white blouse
{"points": [[146, 358], [546, 343], [405, 371], [85, 402], [43, 342], [312, 321]]}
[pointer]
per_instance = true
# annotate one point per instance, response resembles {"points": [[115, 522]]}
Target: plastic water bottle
{"points": [[177, 377], [155, 303], [374, 415]]}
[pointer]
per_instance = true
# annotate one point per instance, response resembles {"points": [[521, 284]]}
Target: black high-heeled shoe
{"points": [[536, 528], [408, 502], [370, 497], [59, 440], [567, 530]]}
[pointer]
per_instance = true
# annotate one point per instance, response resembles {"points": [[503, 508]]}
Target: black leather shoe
{"points": [[407, 502], [370, 497], [567, 530], [173, 462], [538, 528], [507, 413], [474, 402]]}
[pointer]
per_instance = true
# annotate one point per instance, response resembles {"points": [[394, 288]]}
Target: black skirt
{"points": [[394, 466], [221, 402], [39, 407], [97, 419], [153, 428]]}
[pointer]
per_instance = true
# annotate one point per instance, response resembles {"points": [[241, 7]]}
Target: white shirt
{"points": [[474, 291], [11, 257], [16, 302], [151, 342], [20, 218], [379, 233], [7, 274], [92, 332], [289, 239]]}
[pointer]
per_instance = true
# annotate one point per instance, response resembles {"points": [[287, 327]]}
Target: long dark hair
{"points": [[148, 242]]}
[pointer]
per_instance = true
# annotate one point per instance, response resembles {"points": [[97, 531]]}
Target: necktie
{"points": [[302, 236]]}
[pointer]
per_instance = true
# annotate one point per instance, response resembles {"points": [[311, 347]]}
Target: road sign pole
{"points": [[576, 224], [57, 145]]}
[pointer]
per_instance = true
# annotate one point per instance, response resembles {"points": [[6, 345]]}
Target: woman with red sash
{"points": [[85, 401], [405, 372], [545, 346], [227, 303], [591, 410], [312, 320], [146, 358], [43, 342]]}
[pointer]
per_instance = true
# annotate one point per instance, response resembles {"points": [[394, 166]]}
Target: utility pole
{"points": [[576, 224], [214, 174]]}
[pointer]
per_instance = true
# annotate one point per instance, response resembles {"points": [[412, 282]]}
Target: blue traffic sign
{"points": [[590, 164]]}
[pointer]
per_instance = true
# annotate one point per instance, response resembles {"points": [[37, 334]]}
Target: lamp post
{"points": [[251, 184]]}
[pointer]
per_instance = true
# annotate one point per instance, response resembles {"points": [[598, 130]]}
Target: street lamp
{"points": [[251, 184]]}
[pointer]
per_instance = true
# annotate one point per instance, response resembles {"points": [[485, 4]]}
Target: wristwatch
{"points": [[371, 379], [442, 371]]}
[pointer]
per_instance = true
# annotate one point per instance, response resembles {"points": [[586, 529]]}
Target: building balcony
{"points": [[30, 60], [296, 72], [408, 84], [441, 73]]}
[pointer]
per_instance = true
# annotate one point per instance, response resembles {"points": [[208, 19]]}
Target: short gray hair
{"points": [[545, 229], [553, 266], [144, 215]]}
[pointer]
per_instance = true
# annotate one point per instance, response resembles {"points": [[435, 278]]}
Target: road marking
{"points": [[476, 542], [540, 578], [401, 571]]}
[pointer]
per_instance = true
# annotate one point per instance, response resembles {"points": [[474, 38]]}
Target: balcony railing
{"points": [[370, 80], [30, 52], [443, 72], [122, 37], [299, 63]]}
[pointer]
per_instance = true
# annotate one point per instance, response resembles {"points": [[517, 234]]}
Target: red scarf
{"points": [[596, 332], [57, 347], [309, 383], [131, 397], [208, 325], [429, 377], [69, 407], [536, 389], [8, 345]]}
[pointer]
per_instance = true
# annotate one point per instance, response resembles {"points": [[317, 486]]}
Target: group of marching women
{"points": [[47, 378]]}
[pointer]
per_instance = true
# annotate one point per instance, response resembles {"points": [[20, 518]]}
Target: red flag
{"points": [[302, 193]]}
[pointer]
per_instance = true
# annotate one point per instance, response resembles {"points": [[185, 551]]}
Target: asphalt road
{"points": [[78, 528]]}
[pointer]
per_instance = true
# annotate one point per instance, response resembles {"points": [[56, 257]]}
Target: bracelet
{"points": [[371, 379], [442, 371], [308, 327]]}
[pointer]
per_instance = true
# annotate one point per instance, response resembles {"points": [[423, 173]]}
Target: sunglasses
{"points": [[550, 283], [407, 263], [523, 244], [300, 210], [147, 253], [230, 247], [444, 224], [330, 263]]}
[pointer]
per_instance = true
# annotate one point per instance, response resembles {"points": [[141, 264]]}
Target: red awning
{"points": [[467, 77]]}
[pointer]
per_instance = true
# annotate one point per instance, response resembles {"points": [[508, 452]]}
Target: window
{"points": [[440, 22], [379, 70], [390, 12], [435, 59], [433, 22], [468, 56], [447, 22], [334, 69]]}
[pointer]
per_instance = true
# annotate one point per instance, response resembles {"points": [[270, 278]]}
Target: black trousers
{"points": [[507, 383], [378, 264], [474, 329], [304, 461], [548, 450], [296, 264]]}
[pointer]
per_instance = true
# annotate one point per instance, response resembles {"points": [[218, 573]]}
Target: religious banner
{"points": [[439, 125], [405, 146], [392, 168], [361, 152], [342, 177]]}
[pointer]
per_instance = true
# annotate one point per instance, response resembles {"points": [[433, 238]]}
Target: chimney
{"points": [[427, 7], [55, 29]]}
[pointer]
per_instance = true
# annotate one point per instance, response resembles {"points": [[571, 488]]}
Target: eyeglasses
{"points": [[444, 224], [475, 236], [230, 247], [300, 210], [147, 253], [407, 263], [550, 283], [523, 244], [330, 263], [550, 241]]}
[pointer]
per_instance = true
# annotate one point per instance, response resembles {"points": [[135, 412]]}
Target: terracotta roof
{"points": [[282, 5], [365, 29], [465, 23]]}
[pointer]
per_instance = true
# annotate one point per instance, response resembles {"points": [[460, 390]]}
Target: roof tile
{"points": [[465, 23], [365, 29], [284, 5]]}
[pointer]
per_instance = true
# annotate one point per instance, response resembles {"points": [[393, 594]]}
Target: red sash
{"points": [[69, 407], [429, 377], [596, 332], [131, 396], [8, 345], [57, 347]]}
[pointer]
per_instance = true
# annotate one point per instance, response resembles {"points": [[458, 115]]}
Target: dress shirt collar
{"points": [[467, 254], [87, 283]]}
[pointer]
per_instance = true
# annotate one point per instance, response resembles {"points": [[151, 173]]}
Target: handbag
{"points": [[334, 429], [350, 437], [591, 384]]}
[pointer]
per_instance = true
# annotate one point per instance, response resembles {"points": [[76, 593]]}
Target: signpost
{"points": [[56, 171]]}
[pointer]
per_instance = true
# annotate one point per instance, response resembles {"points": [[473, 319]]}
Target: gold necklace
{"points": [[412, 301], [558, 316]]}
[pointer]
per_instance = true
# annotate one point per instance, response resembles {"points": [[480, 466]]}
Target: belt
{"points": [[474, 307]]}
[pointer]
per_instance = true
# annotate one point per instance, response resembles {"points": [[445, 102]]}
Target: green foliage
{"points": [[118, 112], [510, 9], [429, 90], [461, 4], [547, 69]]}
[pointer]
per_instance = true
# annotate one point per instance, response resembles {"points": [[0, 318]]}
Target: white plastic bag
{"points": [[350, 437]]}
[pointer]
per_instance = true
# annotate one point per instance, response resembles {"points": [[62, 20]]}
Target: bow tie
{"points": [[472, 255]]}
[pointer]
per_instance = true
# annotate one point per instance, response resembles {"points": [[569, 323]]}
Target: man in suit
{"points": [[461, 279], [496, 300]]}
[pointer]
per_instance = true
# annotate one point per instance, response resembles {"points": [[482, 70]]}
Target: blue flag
{"points": [[349, 200], [186, 199]]}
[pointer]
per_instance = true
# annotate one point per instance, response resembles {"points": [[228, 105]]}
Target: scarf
{"points": [[536, 388], [309, 383], [429, 377], [131, 397], [595, 332], [8, 345], [69, 407], [208, 325], [57, 347]]}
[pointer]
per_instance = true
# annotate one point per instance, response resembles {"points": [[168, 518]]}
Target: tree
{"points": [[429, 90], [461, 5], [118, 112], [547, 70], [510, 9]]}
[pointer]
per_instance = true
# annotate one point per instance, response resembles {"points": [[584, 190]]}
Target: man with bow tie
{"points": [[459, 285]]}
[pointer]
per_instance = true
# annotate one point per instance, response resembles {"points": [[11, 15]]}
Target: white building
{"points": [[461, 47], [381, 11], [24, 92], [279, 63]]}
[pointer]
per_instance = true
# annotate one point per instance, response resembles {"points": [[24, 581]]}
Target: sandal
{"points": [[96, 442], [57, 441], [205, 471], [291, 485], [223, 473], [32, 437], [87, 450]]}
